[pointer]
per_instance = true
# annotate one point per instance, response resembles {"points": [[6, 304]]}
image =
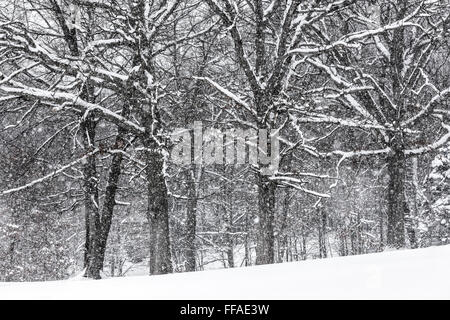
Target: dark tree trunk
{"points": [[283, 241], [397, 161], [304, 254], [265, 232], [155, 144], [382, 236], [413, 199], [96, 263], [396, 200], [158, 215], [230, 257], [229, 238], [91, 204], [322, 232], [265, 245], [228, 210], [88, 128], [247, 259], [191, 223]]}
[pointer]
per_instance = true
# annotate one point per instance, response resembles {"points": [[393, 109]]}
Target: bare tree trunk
{"points": [[304, 254], [91, 206], [396, 200], [247, 258], [412, 196], [382, 236], [158, 215], [266, 196], [88, 131], [191, 222], [397, 160], [96, 262], [154, 143], [322, 232], [230, 257], [229, 239], [228, 206], [265, 233]]}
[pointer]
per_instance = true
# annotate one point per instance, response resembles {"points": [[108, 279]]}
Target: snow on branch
{"points": [[17, 73], [183, 39], [93, 4], [434, 146], [229, 17], [74, 100], [360, 153], [51, 175], [428, 107], [296, 184], [349, 39], [159, 17], [15, 36], [224, 91], [332, 120]]}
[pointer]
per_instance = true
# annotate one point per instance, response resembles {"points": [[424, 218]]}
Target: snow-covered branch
{"points": [[51, 175]]}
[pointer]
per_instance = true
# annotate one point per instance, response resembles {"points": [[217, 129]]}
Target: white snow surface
{"points": [[406, 274]]}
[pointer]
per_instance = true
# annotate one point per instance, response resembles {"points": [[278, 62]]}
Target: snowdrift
{"points": [[407, 274]]}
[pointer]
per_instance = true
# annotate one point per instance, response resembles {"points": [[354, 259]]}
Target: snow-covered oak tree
{"points": [[266, 37]]}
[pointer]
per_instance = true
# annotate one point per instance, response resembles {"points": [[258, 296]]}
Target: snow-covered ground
{"points": [[408, 274]]}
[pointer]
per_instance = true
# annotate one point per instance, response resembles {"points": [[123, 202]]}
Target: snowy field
{"points": [[408, 274]]}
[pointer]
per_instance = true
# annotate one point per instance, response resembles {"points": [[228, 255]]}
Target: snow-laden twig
{"points": [[51, 175], [428, 107], [434, 146], [349, 39], [292, 182], [361, 153], [224, 91], [74, 100]]}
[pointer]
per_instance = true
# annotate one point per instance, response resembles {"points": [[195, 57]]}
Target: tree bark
{"points": [[265, 245], [88, 131], [154, 143], [413, 199], [91, 206], [265, 233], [96, 263], [228, 210], [397, 160], [158, 215], [191, 222], [396, 200], [322, 232]]}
